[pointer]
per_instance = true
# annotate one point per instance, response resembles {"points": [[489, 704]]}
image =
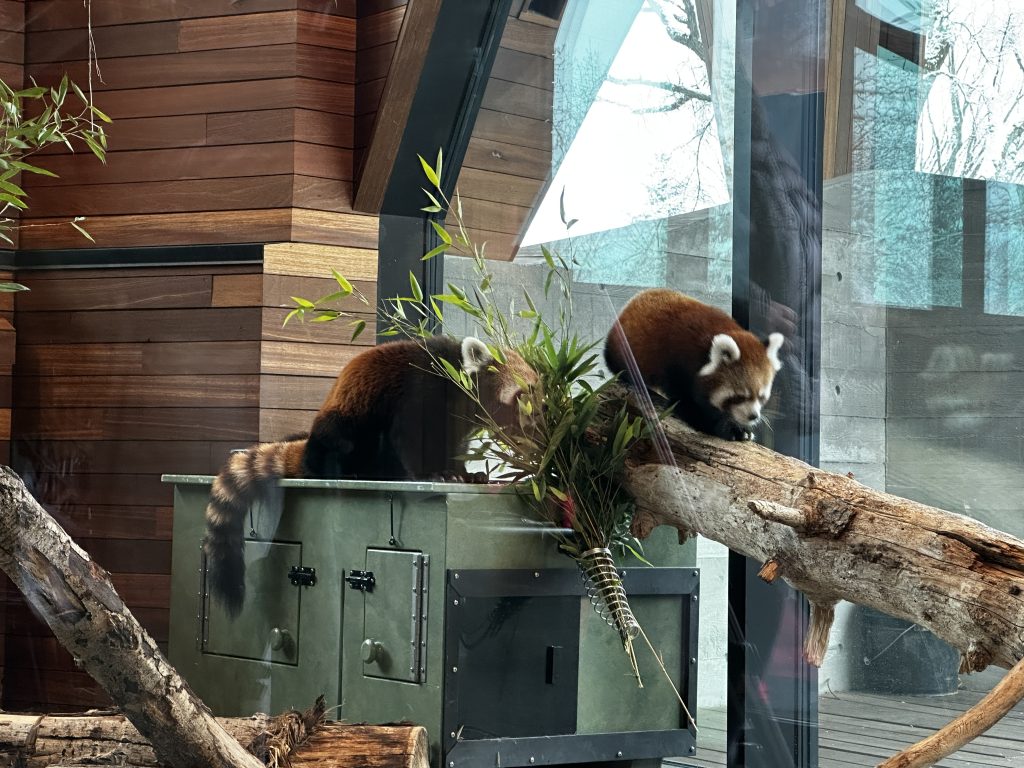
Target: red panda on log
{"points": [[389, 416], [718, 375]]}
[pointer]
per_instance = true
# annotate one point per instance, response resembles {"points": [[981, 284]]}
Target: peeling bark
{"points": [[834, 539], [76, 599]]}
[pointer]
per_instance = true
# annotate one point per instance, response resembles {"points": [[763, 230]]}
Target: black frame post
{"points": [[458, 64], [772, 717]]}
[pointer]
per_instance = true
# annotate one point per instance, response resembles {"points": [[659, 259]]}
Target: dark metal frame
{"points": [[779, 730], [570, 748], [455, 73], [156, 256]]}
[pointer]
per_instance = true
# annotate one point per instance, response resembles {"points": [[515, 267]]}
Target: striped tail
{"points": [[243, 480]]}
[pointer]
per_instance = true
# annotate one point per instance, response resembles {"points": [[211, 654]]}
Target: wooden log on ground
{"points": [[36, 741], [834, 539]]}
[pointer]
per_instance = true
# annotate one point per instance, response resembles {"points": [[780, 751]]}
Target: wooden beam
{"points": [[395, 103]]}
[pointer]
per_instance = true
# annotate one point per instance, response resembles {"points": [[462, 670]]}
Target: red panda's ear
{"points": [[772, 346], [475, 355], [724, 350]]}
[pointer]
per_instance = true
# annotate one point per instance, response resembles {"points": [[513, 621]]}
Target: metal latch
{"points": [[362, 581], [302, 576]]}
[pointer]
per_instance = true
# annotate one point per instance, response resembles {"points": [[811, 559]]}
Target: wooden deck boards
{"points": [[859, 730]]}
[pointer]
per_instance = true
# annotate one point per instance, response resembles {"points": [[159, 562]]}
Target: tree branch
{"points": [[75, 597], [835, 539]]}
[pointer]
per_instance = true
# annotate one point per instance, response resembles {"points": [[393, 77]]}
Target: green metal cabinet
{"points": [[437, 603]]}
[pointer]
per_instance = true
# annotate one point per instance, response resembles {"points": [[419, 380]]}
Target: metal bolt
{"points": [[452, 734], [693, 659], [696, 573], [455, 575], [531, 760], [536, 574], [694, 599], [619, 753], [451, 764], [455, 669], [456, 602], [692, 750]]}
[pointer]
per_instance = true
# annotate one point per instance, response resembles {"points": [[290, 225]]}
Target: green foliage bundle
{"points": [[563, 463], [33, 118]]}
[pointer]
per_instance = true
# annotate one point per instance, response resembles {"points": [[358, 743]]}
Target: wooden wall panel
{"points": [[300, 361], [509, 155], [121, 376], [218, 108]]}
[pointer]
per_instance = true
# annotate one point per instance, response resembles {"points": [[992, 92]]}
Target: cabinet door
{"points": [[267, 628], [394, 616]]}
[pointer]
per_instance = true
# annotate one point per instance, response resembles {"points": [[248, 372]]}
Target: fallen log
{"points": [[834, 539], [43, 740]]}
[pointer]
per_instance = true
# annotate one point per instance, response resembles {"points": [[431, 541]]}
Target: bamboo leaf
{"points": [[346, 286], [434, 252], [441, 232], [432, 177], [414, 286], [82, 231], [357, 328]]}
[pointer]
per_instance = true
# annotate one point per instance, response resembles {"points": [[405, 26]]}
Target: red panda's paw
{"points": [[480, 478]]}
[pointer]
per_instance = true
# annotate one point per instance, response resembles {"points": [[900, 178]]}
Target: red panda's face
{"points": [[509, 391], [738, 377]]}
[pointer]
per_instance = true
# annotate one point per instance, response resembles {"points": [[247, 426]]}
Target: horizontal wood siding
{"points": [[509, 155], [120, 376], [233, 122], [299, 361]]}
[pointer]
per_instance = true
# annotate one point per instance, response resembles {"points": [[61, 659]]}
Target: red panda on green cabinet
{"points": [[389, 416], [718, 375]]}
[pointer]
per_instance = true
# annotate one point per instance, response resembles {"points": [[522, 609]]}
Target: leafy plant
{"points": [[31, 119], [564, 464], [564, 459]]}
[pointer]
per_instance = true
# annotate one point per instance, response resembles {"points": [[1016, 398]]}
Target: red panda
{"points": [[389, 416], [718, 375]]}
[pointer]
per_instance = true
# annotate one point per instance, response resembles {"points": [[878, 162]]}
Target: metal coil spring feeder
{"points": [[606, 593]]}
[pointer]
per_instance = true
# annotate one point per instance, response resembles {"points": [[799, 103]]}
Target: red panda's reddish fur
{"points": [[388, 416], [663, 340]]}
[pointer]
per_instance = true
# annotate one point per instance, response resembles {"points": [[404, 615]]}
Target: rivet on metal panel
{"points": [[536, 575], [696, 573], [695, 598], [455, 669], [532, 760], [452, 734], [456, 602], [693, 659], [692, 750], [619, 753], [455, 575]]}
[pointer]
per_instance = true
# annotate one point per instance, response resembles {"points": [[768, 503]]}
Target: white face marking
{"points": [[723, 350], [775, 341], [475, 355]]}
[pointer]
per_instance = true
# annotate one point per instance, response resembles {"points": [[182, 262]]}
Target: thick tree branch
{"points": [[835, 539], [74, 596]]}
